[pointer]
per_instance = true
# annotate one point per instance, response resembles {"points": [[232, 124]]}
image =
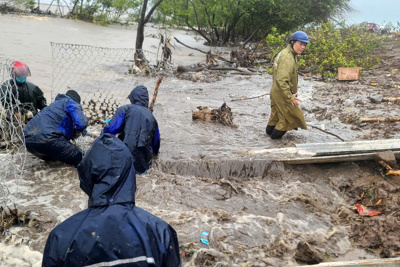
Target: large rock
{"points": [[375, 98], [307, 254]]}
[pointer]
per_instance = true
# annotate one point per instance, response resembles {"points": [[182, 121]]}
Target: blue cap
{"points": [[299, 36]]}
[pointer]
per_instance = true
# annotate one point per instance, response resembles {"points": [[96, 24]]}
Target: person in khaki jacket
{"points": [[286, 114]]}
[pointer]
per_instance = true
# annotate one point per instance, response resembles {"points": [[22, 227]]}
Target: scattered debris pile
{"points": [[222, 115], [10, 217], [378, 194], [216, 65]]}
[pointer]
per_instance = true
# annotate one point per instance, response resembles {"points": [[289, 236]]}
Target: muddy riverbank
{"points": [[257, 211]]}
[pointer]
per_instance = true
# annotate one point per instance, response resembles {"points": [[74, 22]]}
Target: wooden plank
{"points": [[274, 151], [391, 262], [327, 152], [344, 148], [348, 74], [331, 159]]}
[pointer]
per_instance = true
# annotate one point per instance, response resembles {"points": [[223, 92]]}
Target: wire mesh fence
{"points": [[102, 76], [12, 121]]}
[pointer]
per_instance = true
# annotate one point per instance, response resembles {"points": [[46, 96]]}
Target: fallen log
{"points": [[222, 115], [204, 114]]}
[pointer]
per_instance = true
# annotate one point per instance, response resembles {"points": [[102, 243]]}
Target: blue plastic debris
{"points": [[204, 238]]}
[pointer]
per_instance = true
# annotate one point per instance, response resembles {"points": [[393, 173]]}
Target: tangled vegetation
{"points": [[332, 46], [224, 22]]}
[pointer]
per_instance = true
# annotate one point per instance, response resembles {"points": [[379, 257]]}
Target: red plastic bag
{"points": [[364, 211]]}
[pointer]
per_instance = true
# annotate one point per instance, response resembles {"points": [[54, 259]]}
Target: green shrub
{"points": [[332, 47], [25, 4], [101, 19]]}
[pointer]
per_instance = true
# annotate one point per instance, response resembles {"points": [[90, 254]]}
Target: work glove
{"points": [[107, 122]]}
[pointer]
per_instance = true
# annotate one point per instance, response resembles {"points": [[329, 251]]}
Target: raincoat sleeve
{"points": [[75, 112], [51, 255], [172, 257], [283, 76], [155, 145], [40, 99], [116, 123]]}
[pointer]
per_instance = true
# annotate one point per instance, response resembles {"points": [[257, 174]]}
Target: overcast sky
{"points": [[374, 11]]}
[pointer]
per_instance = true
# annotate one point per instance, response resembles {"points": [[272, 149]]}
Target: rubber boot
{"points": [[269, 129], [276, 134]]}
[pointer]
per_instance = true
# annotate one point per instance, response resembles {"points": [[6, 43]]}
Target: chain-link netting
{"points": [[102, 76], [12, 122]]}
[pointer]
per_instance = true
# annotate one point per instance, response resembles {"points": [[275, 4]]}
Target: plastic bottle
{"points": [[204, 237]]}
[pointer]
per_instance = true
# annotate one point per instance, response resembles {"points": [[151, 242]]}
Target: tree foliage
{"points": [[223, 21], [102, 11], [332, 46]]}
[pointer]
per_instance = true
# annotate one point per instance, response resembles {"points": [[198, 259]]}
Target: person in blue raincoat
{"points": [[137, 128], [112, 231], [48, 134]]}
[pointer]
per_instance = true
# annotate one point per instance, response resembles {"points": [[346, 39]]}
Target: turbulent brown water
{"points": [[256, 210]]}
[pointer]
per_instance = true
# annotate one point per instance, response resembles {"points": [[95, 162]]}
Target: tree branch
{"points": [[201, 51], [151, 11]]}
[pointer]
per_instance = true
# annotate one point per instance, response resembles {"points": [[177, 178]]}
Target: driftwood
{"points": [[201, 51], [389, 170], [222, 115], [247, 98], [10, 217], [209, 54], [390, 119], [243, 57], [181, 69], [153, 100], [391, 99], [315, 127]]}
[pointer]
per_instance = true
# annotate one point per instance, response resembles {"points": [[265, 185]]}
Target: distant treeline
{"points": [[219, 22]]}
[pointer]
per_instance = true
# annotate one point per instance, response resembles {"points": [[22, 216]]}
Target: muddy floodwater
{"points": [[256, 210]]}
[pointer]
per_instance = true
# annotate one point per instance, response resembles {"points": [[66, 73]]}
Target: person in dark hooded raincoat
{"points": [[137, 128], [48, 134], [286, 114], [112, 231]]}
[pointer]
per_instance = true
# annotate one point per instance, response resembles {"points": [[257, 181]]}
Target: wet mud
{"points": [[255, 220], [258, 212]]}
